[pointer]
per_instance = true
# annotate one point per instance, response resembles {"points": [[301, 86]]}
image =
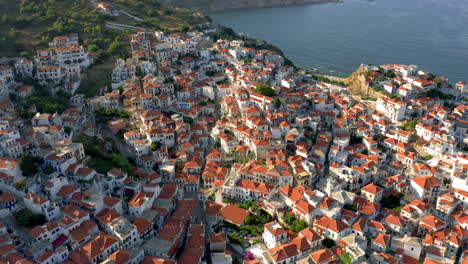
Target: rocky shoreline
{"points": [[221, 5]]}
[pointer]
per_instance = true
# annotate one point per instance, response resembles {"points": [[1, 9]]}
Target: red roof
{"points": [[234, 214], [120, 256], [217, 238], [156, 260], [322, 256], [427, 182], [334, 225], [372, 188]]}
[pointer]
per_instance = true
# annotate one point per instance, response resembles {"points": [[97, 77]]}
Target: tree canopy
{"points": [[27, 165], [105, 114], [155, 146], [346, 258], [328, 243], [410, 125], [277, 102], [264, 89], [25, 217], [295, 224]]}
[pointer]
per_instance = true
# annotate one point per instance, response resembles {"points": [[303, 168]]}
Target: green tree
{"points": [[217, 143], [248, 220], [188, 120], [115, 47], [390, 75], [48, 169], [350, 207], [235, 238], [27, 165], [93, 47], [210, 73], [355, 140], [410, 125], [427, 157], [299, 225], [155, 146], [277, 102], [121, 162], [25, 217], [398, 209], [247, 60], [138, 71], [346, 258], [435, 93], [328, 243], [378, 88], [290, 218], [264, 89], [124, 114], [391, 201], [20, 184], [185, 29], [24, 54], [254, 207], [5, 19]]}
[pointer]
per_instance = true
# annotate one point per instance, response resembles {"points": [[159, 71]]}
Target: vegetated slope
{"points": [[30, 24], [216, 5], [159, 16]]}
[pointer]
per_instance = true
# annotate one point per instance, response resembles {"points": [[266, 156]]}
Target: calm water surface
{"points": [[336, 38]]}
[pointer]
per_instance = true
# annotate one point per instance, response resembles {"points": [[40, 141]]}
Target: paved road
{"points": [[122, 26], [130, 15]]}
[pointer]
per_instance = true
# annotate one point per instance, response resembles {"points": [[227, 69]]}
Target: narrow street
{"points": [[200, 218]]}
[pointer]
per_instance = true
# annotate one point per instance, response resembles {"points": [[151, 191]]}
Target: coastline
{"points": [[220, 6], [267, 45], [330, 46]]}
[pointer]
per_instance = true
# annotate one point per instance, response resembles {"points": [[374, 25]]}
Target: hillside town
{"points": [[215, 150]]}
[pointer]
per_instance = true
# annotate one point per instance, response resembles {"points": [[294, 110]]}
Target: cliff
{"points": [[219, 5], [358, 84]]}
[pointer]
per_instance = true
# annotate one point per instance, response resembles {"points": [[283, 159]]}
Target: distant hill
{"points": [[218, 5]]}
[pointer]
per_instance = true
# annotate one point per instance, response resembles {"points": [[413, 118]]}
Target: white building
{"points": [[73, 55], [40, 205], [141, 202], [24, 67], [425, 187], [392, 108], [274, 235]]}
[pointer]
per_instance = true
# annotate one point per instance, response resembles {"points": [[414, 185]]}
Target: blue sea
{"points": [[335, 38]]}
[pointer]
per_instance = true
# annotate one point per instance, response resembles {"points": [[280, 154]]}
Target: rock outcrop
{"points": [[358, 83]]}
